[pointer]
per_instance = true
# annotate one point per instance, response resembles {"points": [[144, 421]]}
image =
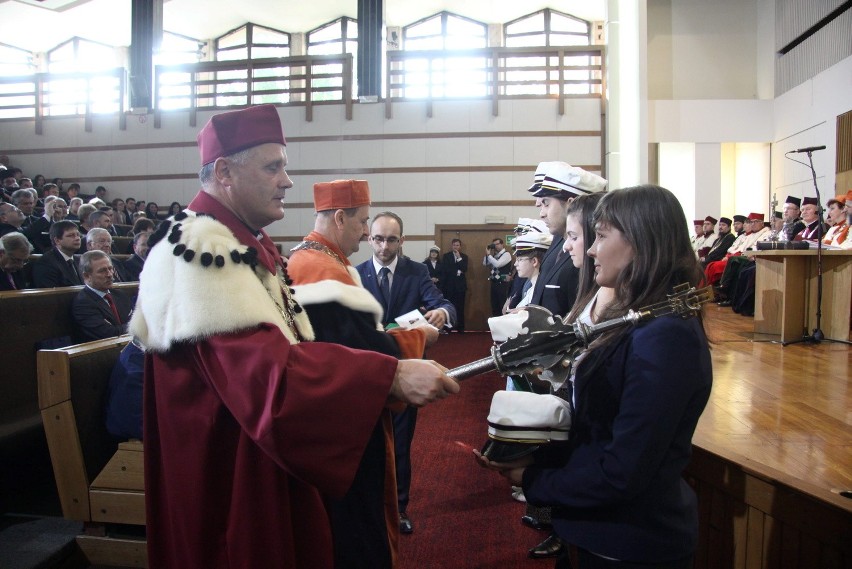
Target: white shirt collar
{"points": [[378, 266]]}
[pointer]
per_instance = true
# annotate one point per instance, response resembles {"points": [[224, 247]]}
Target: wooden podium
{"points": [[785, 302]]}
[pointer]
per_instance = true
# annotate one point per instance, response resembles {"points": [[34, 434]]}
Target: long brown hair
{"points": [[652, 221], [584, 206]]}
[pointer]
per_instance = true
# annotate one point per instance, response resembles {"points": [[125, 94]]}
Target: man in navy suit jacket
{"points": [[56, 267], [97, 311], [408, 288]]}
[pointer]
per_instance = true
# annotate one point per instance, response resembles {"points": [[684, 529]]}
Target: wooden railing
{"points": [[491, 73], [64, 94], [301, 80], [496, 73]]}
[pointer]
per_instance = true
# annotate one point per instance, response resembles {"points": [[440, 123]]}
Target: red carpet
{"points": [[463, 515]]}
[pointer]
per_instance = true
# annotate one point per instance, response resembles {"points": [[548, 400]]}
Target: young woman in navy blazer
{"points": [[617, 492]]}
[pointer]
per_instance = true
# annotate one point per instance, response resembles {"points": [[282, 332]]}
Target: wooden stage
{"points": [[773, 451]]}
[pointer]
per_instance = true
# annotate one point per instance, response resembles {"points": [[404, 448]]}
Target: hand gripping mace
{"points": [[547, 343]]}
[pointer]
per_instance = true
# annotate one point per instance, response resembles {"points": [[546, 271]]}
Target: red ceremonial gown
{"points": [[244, 428]]}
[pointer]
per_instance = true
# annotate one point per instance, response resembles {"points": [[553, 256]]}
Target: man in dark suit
{"points": [[133, 265], [454, 265], [555, 186], [14, 253], [97, 311], [56, 267], [401, 286]]}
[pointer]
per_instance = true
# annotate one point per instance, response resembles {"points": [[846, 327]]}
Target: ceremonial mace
{"points": [[547, 343]]}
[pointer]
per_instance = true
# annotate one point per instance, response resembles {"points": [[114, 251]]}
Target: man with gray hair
{"points": [[25, 200], [97, 311], [11, 218], [15, 252], [99, 239]]}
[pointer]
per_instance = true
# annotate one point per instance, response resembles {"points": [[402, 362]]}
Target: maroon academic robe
{"points": [[244, 430]]}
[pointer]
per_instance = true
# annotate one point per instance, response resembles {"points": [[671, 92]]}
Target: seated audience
{"points": [[39, 181], [133, 265], [120, 215], [25, 201], [15, 252], [174, 209], [56, 267], [152, 211], [141, 225], [74, 208], [98, 312], [124, 398], [130, 207]]}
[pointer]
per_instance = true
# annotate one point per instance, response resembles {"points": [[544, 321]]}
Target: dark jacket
{"points": [[556, 287], [412, 289], [52, 271], [617, 489], [93, 318]]}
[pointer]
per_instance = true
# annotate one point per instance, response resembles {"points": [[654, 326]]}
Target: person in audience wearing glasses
{"points": [[246, 421], [366, 522], [616, 488], [57, 267], [15, 251], [814, 229], [99, 239], [97, 311], [402, 286]]}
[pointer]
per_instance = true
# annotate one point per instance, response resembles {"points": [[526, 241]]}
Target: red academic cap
{"points": [[756, 216], [228, 133], [341, 194]]}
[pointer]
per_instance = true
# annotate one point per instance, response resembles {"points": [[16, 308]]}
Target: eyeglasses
{"points": [[378, 240]]}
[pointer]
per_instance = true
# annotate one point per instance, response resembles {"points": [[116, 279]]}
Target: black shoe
{"points": [[725, 303], [405, 524], [550, 547], [535, 523]]}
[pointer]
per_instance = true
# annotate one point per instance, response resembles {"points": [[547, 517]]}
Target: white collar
{"points": [[378, 266]]}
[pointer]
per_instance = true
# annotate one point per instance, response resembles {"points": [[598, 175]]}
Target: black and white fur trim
{"points": [[199, 281]]}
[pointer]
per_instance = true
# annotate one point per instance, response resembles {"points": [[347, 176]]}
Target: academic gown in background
{"points": [[365, 522], [245, 431]]}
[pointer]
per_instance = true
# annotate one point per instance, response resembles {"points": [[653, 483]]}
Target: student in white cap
{"points": [[555, 186]]}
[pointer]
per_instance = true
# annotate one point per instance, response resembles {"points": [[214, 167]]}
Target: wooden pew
{"points": [[99, 481], [28, 318]]}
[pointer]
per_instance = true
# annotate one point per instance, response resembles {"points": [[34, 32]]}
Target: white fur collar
{"points": [[200, 282], [351, 296]]}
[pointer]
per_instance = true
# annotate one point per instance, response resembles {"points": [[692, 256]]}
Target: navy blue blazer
{"points": [[93, 319], [411, 289], [556, 287], [617, 490]]}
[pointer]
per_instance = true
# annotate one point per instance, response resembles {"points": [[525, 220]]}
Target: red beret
{"points": [[341, 194], [756, 216], [697, 222], [228, 133]]}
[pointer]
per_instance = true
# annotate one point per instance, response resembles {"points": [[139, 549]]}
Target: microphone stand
{"points": [[817, 335]]}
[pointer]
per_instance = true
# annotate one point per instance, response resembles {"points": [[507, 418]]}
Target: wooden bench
{"points": [[99, 481], [30, 317]]}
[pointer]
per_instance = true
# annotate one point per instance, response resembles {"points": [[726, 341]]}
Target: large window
{"points": [[17, 97], [547, 75], [93, 82], [252, 41], [457, 74], [174, 90], [337, 37]]}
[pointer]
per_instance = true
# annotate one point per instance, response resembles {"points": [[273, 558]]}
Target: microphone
{"points": [[808, 149]]}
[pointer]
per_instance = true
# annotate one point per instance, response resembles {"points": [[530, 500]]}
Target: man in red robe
{"points": [[364, 522], [245, 428]]}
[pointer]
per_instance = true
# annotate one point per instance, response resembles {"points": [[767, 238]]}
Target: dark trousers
{"points": [[403, 434], [457, 297], [499, 294]]}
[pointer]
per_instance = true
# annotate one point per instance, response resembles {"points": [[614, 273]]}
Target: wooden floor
{"points": [[783, 410]]}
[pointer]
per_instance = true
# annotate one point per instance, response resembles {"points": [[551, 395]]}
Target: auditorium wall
{"points": [[458, 166]]}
